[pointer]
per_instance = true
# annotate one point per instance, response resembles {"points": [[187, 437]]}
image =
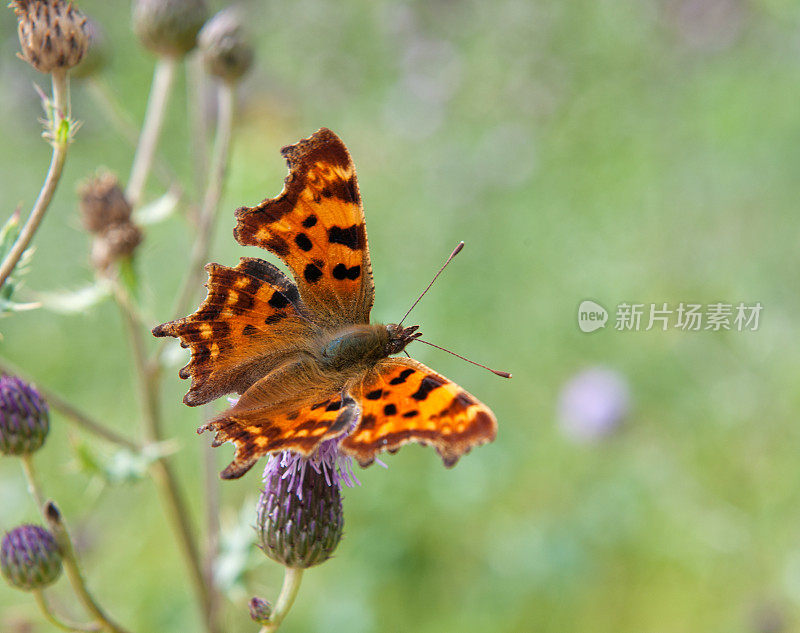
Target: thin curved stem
{"points": [[208, 212], [163, 78], [73, 570], [291, 585], [121, 120], [213, 193], [161, 470], [60, 141], [75, 415], [30, 476], [53, 619]]}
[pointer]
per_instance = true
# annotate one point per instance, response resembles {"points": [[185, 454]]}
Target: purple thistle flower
{"points": [[30, 558], [593, 403], [24, 417], [300, 515]]}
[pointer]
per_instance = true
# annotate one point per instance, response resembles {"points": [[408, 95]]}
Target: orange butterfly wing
{"points": [[316, 225], [404, 401], [241, 331], [297, 427]]}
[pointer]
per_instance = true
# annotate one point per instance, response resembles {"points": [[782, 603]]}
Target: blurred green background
{"points": [[637, 150]]}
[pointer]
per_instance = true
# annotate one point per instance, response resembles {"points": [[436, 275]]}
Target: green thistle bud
{"points": [[24, 417], [168, 27], [52, 34], [96, 58], [260, 611], [300, 515], [30, 558], [226, 52]]}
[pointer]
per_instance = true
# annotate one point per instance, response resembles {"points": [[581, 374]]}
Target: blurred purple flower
{"points": [[24, 417], [593, 403], [30, 558]]}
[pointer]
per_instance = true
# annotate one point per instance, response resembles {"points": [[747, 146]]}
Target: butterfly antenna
{"points": [[496, 372], [455, 252]]}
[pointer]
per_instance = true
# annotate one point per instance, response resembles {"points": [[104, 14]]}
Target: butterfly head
{"points": [[399, 337]]}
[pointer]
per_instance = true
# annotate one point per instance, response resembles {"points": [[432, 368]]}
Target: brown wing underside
{"points": [[247, 324], [404, 401], [316, 225]]}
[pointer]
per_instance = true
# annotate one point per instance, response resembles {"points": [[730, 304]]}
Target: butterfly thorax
{"points": [[359, 346]]}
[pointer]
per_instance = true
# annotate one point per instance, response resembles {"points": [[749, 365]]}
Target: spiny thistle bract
{"points": [[24, 417], [30, 558], [52, 33], [168, 27], [300, 515], [226, 52]]}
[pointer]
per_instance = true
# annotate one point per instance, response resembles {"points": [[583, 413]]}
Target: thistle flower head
{"points": [[226, 52], [300, 515], [116, 242], [52, 34], [30, 557], [106, 213], [260, 610], [168, 27], [102, 203], [24, 417]]}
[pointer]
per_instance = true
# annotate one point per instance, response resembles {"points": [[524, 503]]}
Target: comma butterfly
{"points": [[305, 358]]}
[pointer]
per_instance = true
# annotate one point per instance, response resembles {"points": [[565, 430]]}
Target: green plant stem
{"points": [[161, 469], [73, 570], [163, 79], [70, 561], [195, 103], [30, 476], [75, 415], [121, 120], [212, 499], [211, 198], [60, 142], [291, 584], [62, 624], [208, 211]]}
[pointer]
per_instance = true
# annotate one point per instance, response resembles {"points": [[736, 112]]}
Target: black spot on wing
{"points": [[353, 237], [399, 380], [278, 300], [340, 271], [375, 394], [411, 414], [249, 330], [303, 243], [389, 409], [312, 273], [428, 384], [310, 221]]}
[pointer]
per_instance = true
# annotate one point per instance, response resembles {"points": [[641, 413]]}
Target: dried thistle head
{"points": [[52, 34], [102, 202], [168, 27], [227, 53], [115, 243]]}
